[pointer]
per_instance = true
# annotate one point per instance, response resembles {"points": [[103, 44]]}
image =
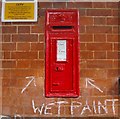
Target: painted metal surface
{"points": [[62, 67]]}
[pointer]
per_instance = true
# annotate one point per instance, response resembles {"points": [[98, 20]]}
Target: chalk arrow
{"points": [[32, 79], [90, 82]]}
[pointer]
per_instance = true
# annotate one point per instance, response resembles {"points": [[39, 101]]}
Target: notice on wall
{"points": [[19, 11], [61, 50]]}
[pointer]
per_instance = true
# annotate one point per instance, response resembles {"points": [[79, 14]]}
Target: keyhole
{"points": [[56, 68]]}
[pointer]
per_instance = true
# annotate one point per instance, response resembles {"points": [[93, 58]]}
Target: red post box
{"points": [[62, 67]]}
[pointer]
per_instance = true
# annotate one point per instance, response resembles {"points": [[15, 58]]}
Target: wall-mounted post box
{"points": [[62, 67]]}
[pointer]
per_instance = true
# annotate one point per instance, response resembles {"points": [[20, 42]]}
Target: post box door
{"points": [[62, 67]]}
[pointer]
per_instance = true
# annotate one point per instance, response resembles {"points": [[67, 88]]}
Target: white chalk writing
{"points": [[96, 106], [86, 107]]}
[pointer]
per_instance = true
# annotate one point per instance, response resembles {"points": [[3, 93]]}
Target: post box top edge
{"points": [[62, 10]]}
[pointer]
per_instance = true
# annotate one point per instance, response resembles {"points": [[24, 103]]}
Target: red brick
{"points": [[28, 110], [8, 46], [112, 4], [5, 23], [1, 55], [23, 46], [98, 29], [99, 21], [22, 23], [6, 55], [5, 91], [45, 4], [9, 29], [116, 64], [59, 5], [112, 55], [23, 64], [41, 38], [14, 93], [99, 12], [115, 12], [39, 27], [112, 38], [25, 101], [94, 73], [6, 110], [115, 29], [99, 64], [86, 38], [6, 73], [37, 46], [37, 64], [21, 81], [116, 47], [41, 12], [82, 12], [25, 38], [41, 55], [112, 73], [6, 38], [100, 38], [100, 55], [82, 29], [23, 29], [112, 21], [83, 64], [79, 4], [118, 21], [99, 46], [19, 109], [13, 82], [6, 82], [23, 73], [83, 46], [99, 4], [24, 55], [8, 64], [86, 21], [86, 55]]}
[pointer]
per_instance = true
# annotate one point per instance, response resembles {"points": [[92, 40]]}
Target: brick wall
{"points": [[23, 55]]}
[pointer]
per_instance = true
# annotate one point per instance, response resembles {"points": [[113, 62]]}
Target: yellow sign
{"points": [[19, 11]]}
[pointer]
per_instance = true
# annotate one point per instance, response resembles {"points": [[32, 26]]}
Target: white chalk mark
{"points": [[36, 108], [59, 105], [94, 107], [86, 107], [75, 104], [32, 79], [98, 107], [16, 116], [3, 116], [104, 107], [113, 104], [48, 107], [90, 82]]}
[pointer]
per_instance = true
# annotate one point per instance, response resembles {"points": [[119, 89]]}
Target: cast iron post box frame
{"points": [[62, 53]]}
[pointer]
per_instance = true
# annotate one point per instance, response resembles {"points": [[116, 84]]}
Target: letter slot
{"points": [[61, 59], [62, 27]]}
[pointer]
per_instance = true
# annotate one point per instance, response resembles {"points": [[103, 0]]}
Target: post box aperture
{"points": [[62, 67]]}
